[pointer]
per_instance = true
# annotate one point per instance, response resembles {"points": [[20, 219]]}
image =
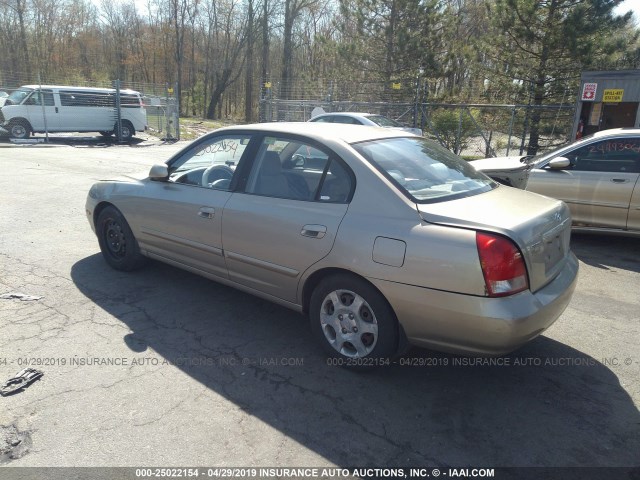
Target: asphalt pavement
{"points": [[161, 367]]}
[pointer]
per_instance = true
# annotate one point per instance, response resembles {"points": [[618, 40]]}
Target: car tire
{"points": [[126, 131], [20, 129], [118, 245], [353, 321]]}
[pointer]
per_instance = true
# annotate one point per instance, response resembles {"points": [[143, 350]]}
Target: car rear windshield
{"points": [[423, 170], [383, 121]]}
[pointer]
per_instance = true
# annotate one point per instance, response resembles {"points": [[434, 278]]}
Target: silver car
{"points": [[361, 118], [379, 237], [596, 176]]}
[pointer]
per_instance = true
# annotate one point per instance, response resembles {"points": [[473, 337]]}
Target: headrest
{"points": [[271, 164]]}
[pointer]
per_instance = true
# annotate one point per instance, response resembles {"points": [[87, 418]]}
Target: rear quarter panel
{"points": [[438, 257]]}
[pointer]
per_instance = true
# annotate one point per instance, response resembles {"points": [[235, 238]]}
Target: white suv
{"points": [[49, 108]]}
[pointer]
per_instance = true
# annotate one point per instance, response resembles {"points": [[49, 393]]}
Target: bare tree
{"points": [[228, 42], [292, 10]]}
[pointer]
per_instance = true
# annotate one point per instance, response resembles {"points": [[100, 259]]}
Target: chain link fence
{"points": [[112, 112], [471, 130]]}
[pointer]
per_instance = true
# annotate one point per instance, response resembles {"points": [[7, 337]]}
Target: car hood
{"points": [[499, 163], [540, 226], [127, 178]]}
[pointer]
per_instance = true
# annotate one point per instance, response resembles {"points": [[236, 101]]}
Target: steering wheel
{"points": [[216, 172]]}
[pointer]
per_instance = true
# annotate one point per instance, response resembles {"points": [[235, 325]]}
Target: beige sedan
{"points": [[382, 238], [596, 176]]}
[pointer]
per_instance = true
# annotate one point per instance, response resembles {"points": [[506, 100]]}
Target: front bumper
{"points": [[474, 325]]}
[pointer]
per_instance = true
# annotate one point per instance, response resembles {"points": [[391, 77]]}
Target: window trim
{"points": [[244, 159], [568, 149], [331, 155]]}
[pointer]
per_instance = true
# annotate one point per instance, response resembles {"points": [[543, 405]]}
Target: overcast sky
{"points": [[633, 5]]}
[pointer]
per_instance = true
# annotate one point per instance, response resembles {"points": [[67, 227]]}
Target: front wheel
{"points": [[20, 130], [353, 321], [118, 245]]}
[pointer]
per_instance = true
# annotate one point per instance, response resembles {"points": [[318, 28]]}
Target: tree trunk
{"points": [[539, 88], [265, 41], [248, 100], [287, 50], [23, 37]]}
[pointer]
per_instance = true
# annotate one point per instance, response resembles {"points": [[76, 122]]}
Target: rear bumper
{"points": [[479, 325]]}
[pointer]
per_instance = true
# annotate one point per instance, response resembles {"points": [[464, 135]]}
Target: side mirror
{"points": [[559, 163], [159, 172]]}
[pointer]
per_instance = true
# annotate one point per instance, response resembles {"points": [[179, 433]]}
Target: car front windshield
{"points": [[383, 121], [423, 170], [18, 96]]}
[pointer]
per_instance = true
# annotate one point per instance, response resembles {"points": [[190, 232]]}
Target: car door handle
{"points": [[619, 180], [313, 231], [207, 212]]}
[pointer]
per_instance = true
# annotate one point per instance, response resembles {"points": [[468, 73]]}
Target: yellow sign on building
{"points": [[396, 86], [612, 95]]}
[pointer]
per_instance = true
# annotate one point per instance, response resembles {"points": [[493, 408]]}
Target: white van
{"points": [[50, 108]]}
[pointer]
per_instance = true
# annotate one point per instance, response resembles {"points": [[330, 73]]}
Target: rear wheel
{"points": [[127, 131], [353, 322], [118, 245], [20, 129]]}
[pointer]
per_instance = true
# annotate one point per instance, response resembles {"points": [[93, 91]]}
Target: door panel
{"points": [[181, 218], [598, 184], [82, 111], [269, 242], [41, 111], [182, 223], [594, 198], [295, 197], [633, 222]]}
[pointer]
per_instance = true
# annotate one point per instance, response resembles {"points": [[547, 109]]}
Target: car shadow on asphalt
{"points": [[607, 251], [544, 405], [76, 140]]}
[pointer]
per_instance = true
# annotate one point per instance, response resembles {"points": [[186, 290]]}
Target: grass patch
{"points": [[190, 128]]}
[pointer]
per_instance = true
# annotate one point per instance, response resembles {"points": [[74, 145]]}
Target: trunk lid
{"points": [[540, 226]]}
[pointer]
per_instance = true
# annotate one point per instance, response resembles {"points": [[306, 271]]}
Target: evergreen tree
{"points": [[541, 46]]}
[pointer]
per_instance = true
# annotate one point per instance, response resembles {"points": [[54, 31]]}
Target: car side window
{"points": [[210, 164], [328, 119], [337, 184], [346, 120], [41, 98], [69, 99], [296, 170], [611, 155]]}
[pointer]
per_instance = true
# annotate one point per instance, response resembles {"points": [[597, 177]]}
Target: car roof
{"points": [[347, 114], [81, 89], [616, 131], [324, 131]]}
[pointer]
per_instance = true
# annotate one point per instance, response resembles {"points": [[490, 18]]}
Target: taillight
{"points": [[502, 265]]}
